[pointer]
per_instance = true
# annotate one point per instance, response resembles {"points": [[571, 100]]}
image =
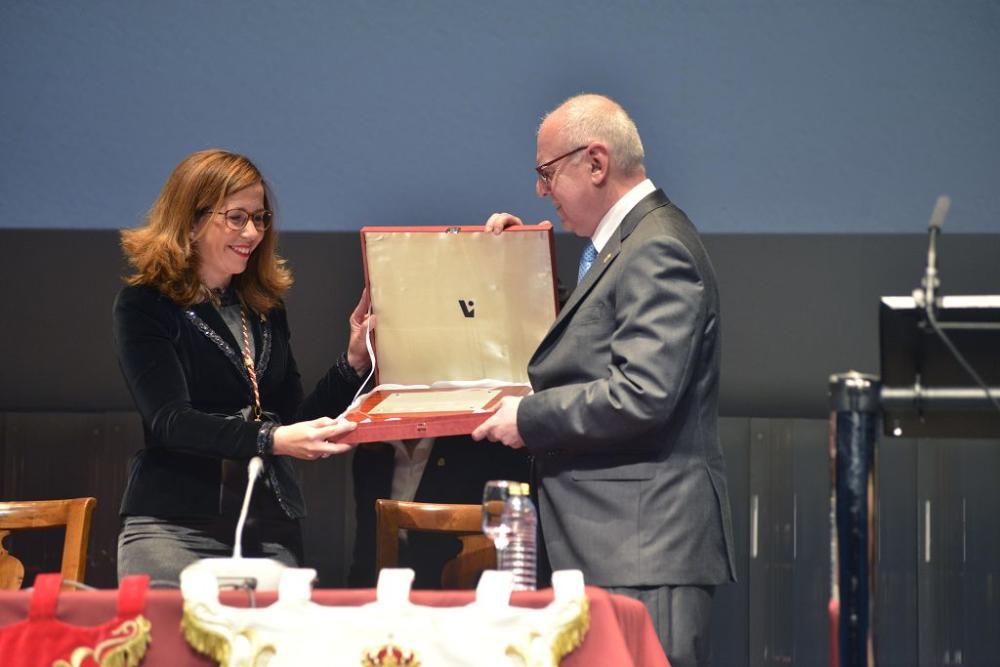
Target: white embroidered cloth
{"points": [[388, 632]]}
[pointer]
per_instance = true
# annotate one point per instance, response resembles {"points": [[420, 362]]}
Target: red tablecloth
{"points": [[621, 633]]}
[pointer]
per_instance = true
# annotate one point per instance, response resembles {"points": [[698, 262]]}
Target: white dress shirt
{"points": [[409, 468], [613, 218]]}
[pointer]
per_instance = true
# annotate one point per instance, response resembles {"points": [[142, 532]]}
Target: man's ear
{"points": [[599, 160]]}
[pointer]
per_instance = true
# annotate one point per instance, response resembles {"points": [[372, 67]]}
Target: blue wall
{"points": [[757, 115]]}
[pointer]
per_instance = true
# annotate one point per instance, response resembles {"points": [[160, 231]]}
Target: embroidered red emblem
{"points": [[389, 655]]}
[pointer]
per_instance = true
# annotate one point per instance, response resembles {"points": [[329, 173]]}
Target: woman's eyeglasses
{"points": [[237, 218]]}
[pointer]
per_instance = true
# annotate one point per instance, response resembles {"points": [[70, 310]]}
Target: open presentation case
{"points": [[458, 313]]}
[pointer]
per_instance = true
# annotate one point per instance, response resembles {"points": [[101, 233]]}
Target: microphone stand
{"points": [[982, 397], [239, 572], [926, 297], [253, 470]]}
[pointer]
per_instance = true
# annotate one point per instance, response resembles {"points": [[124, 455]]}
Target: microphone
{"points": [[930, 281], [239, 572]]}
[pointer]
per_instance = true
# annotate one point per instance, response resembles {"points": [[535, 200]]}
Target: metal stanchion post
{"points": [[854, 419]]}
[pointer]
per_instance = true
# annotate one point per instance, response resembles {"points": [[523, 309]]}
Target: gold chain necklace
{"points": [[248, 362]]}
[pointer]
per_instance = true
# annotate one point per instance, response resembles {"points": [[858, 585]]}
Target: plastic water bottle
{"points": [[520, 523]]}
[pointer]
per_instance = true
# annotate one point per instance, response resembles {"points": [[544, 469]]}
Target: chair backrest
{"points": [[463, 521], [74, 514]]}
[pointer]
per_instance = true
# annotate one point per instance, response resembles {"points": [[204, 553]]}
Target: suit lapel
{"points": [[210, 324], [435, 482], [210, 315], [604, 260]]}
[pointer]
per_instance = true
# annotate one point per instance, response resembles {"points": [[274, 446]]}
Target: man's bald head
{"points": [[586, 118]]}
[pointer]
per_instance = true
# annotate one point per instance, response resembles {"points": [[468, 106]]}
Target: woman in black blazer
{"points": [[203, 342]]}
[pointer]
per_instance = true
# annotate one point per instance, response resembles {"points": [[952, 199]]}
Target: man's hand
{"points": [[502, 426], [360, 323], [498, 222]]}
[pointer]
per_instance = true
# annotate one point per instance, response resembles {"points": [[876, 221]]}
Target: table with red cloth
{"points": [[621, 632]]}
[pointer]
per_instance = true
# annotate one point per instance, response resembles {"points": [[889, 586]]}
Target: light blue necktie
{"points": [[586, 259]]}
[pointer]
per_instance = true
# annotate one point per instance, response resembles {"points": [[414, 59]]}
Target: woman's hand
{"points": [[360, 323], [314, 439]]}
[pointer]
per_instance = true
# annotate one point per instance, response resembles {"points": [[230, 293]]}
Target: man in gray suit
{"points": [[623, 421]]}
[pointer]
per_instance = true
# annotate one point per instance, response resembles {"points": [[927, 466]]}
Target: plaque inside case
{"points": [[458, 313]]}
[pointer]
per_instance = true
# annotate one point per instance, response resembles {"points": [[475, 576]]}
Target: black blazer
{"points": [[184, 370], [457, 470]]}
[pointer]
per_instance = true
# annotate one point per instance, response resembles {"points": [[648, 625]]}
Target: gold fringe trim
{"points": [[126, 646], [203, 640], [201, 637], [572, 634], [567, 640]]}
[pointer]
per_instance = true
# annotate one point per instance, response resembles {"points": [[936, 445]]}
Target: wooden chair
{"points": [[464, 521], [74, 514]]}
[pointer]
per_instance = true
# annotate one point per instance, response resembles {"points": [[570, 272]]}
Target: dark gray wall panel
{"points": [[896, 585], [796, 308], [789, 542], [59, 456], [730, 630], [958, 563]]}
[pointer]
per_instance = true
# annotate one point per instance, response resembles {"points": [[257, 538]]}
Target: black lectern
{"points": [[926, 391]]}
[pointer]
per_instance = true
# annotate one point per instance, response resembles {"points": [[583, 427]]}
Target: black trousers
{"points": [[682, 616]]}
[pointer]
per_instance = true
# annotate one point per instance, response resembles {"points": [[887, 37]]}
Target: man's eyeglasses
{"points": [[237, 218], [543, 169]]}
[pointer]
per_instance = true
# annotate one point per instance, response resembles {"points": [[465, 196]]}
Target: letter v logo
{"points": [[468, 307]]}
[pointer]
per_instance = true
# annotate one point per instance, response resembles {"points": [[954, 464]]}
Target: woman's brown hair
{"points": [[162, 250]]}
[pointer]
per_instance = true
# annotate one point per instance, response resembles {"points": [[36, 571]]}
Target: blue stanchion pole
{"points": [[854, 403]]}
